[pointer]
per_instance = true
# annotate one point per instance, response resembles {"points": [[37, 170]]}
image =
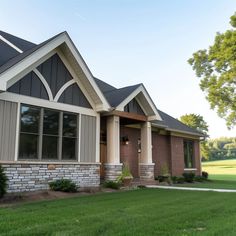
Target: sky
{"points": [[125, 42]]}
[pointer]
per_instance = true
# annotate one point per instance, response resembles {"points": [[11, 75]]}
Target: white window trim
{"points": [[190, 169]]}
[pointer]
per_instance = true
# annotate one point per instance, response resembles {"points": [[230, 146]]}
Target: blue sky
{"points": [[125, 42]]}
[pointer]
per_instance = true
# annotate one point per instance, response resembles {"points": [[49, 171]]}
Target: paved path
{"points": [[193, 189]]}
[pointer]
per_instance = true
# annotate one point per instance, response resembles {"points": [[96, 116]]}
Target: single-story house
{"points": [[58, 121]]}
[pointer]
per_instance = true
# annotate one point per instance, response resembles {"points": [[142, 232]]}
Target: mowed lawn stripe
{"points": [[138, 212]]}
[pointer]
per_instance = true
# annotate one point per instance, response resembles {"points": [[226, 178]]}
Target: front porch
{"points": [[126, 140]]}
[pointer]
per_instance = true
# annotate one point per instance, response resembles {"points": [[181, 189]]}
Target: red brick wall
{"points": [[160, 152], [177, 156], [129, 153]]}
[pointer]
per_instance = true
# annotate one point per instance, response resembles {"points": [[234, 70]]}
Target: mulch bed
{"points": [[17, 198]]}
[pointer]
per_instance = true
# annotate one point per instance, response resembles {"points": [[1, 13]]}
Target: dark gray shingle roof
{"points": [[9, 57], [21, 56], [173, 124]]}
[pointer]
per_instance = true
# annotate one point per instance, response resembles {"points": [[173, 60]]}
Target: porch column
{"points": [[113, 167], [146, 166]]}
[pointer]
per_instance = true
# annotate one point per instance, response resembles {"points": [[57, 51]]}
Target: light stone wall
{"points": [[146, 171], [112, 171], [32, 177]]}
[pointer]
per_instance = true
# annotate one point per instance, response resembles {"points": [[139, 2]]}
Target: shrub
{"points": [[199, 178], [64, 185], [112, 184], [177, 179], [180, 180], [189, 177], [162, 178], [174, 179], [126, 174], [205, 175], [3, 182]]}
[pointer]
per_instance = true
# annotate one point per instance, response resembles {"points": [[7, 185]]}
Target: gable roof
{"points": [[9, 57], [172, 124], [25, 59], [20, 56]]}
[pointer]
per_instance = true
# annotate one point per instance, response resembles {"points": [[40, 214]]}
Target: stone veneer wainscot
{"points": [[36, 176]]}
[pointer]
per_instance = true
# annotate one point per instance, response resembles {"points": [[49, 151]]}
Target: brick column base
{"points": [[112, 171], [146, 171]]}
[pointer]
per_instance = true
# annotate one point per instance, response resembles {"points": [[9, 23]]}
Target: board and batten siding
{"points": [[88, 139], [8, 120]]}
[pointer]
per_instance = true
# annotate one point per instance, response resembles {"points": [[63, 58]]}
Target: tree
{"points": [[216, 67], [197, 122]]}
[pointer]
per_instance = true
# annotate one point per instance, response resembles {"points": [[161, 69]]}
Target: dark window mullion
{"points": [[60, 136], [40, 141]]}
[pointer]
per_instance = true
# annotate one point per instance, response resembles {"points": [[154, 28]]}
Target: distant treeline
{"points": [[220, 149]]}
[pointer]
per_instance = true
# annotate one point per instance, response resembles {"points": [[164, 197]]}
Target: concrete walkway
{"points": [[193, 189]]}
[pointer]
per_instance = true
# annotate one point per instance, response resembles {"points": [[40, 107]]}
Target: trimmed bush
{"points": [[3, 182], [64, 185], [189, 177], [162, 178], [199, 178], [177, 179], [112, 184], [205, 175]]}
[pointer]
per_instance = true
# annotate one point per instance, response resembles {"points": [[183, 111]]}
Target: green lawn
{"points": [[223, 170], [222, 174], [138, 212]]}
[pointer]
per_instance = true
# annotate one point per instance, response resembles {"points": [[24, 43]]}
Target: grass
{"points": [[225, 168], [222, 175], [138, 212]]}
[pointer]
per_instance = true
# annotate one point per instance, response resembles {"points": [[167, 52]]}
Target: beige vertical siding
{"points": [[88, 139], [8, 119]]}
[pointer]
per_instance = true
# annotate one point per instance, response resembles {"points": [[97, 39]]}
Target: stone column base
{"points": [[146, 171], [112, 171]]}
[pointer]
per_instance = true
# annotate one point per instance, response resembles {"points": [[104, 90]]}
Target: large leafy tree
{"points": [[216, 66], [197, 122]]}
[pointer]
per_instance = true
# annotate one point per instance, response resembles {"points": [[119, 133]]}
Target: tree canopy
{"points": [[216, 67], [195, 121]]}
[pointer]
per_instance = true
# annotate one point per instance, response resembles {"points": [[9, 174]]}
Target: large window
{"points": [[188, 154], [48, 134]]}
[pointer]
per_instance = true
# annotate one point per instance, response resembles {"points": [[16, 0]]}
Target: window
{"points": [[50, 134], [69, 136], [188, 154], [47, 134], [29, 134]]}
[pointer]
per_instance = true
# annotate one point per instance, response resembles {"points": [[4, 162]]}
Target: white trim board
{"points": [[134, 94], [10, 74], [12, 97]]}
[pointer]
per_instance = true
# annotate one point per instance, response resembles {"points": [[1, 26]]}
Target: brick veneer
{"points": [[31, 177], [160, 152]]}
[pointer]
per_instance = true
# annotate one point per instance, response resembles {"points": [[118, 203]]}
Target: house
{"points": [[58, 121]]}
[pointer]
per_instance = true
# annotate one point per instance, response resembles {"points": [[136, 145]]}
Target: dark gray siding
{"points": [[74, 96], [29, 85], [8, 119], [55, 73], [88, 139], [134, 107]]}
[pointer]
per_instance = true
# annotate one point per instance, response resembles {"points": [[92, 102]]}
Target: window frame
{"points": [[189, 142], [41, 134]]}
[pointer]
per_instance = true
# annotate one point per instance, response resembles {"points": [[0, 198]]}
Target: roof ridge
{"points": [[124, 87]]}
